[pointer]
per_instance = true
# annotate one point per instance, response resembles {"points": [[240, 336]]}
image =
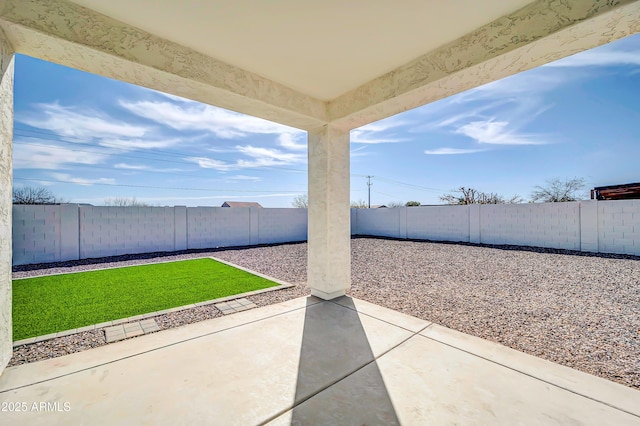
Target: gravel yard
{"points": [[582, 311]]}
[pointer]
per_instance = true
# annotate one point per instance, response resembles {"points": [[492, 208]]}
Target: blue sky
{"points": [[88, 138]]}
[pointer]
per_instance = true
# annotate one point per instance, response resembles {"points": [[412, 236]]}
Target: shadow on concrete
{"points": [[335, 345]]}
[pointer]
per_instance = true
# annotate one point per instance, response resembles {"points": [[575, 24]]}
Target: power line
{"points": [[158, 187], [385, 194], [410, 185], [185, 174]]}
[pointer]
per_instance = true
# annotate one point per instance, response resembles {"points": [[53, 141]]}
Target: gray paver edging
{"points": [[281, 285]]}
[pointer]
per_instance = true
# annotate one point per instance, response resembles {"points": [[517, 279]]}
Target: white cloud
{"points": [[259, 157], [130, 166], [269, 154], [76, 125], [82, 124], [290, 141], [497, 133], [359, 152], [38, 182], [451, 151], [243, 178], [599, 58], [133, 144], [81, 181], [374, 133], [199, 117], [50, 157], [497, 112], [210, 163], [172, 97], [534, 82], [145, 168], [371, 137], [385, 124]]}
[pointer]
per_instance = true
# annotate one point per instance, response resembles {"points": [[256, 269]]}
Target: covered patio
{"points": [[310, 361], [326, 67]]}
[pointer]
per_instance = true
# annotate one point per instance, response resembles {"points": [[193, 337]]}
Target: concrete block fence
{"points": [[53, 233], [594, 226], [63, 232]]}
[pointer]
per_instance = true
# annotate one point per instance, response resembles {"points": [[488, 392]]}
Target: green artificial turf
{"points": [[45, 305]]}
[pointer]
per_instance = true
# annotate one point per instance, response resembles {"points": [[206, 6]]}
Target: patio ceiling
{"points": [[320, 48], [310, 63]]}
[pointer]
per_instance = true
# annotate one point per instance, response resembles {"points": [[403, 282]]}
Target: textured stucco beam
{"points": [[65, 33], [540, 33], [545, 30]]}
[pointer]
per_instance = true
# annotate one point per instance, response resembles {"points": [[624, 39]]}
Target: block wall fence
{"points": [[63, 232], [53, 233]]}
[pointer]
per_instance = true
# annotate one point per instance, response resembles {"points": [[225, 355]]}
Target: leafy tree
{"points": [[558, 190], [33, 195], [463, 196], [413, 204], [124, 202], [360, 204], [301, 201]]}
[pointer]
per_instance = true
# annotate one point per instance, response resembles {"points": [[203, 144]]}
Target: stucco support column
{"points": [[329, 247], [6, 137]]}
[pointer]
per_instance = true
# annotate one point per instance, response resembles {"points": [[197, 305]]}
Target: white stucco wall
{"points": [[6, 137]]}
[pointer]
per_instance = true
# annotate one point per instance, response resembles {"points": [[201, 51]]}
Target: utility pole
{"points": [[369, 185]]}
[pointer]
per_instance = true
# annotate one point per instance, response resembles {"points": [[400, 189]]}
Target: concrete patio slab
{"points": [[50, 369], [413, 385], [397, 318], [608, 392], [303, 361]]}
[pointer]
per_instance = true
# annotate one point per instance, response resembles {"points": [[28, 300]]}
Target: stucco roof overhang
{"points": [[308, 63]]}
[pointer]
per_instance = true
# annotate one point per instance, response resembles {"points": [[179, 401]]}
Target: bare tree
{"points": [[124, 202], [33, 195], [558, 190], [301, 201], [516, 199], [393, 204], [402, 204], [360, 204], [463, 196]]}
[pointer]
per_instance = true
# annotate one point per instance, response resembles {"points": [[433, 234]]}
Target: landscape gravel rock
{"points": [[577, 309]]}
